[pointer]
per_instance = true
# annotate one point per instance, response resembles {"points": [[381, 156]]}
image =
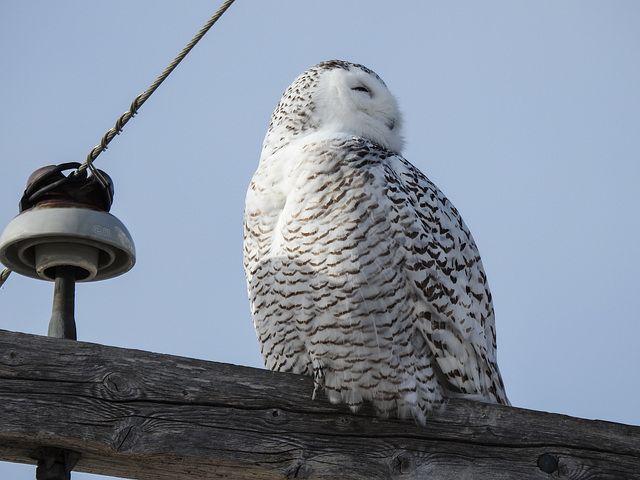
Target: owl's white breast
{"points": [[282, 181]]}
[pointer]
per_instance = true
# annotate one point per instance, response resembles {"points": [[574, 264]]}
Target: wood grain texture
{"points": [[144, 415]]}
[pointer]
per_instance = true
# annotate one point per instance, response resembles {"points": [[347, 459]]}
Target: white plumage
{"points": [[360, 271]]}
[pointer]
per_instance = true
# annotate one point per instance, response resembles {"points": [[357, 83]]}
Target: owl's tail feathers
{"points": [[499, 398]]}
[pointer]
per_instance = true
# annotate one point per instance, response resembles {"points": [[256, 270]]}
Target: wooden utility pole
{"points": [[144, 415]]}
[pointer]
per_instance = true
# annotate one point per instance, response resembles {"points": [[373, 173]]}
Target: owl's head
{"points": [[340, 97]]}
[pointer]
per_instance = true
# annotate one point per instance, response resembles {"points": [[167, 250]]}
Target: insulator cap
{"points": [[41, 238], [48, 185]]}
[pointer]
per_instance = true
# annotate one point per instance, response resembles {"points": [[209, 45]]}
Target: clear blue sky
{"points": [[526, 114]]}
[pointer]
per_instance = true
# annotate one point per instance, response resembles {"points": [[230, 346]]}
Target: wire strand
{"points": [[4, 275], [140, 99]]}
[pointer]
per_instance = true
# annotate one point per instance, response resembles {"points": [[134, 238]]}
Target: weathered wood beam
{"points": [[144, 415]]}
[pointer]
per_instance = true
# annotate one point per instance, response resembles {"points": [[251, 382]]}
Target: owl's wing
{"points": [[443, 267]]}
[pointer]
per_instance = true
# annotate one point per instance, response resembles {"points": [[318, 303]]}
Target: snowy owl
{"points": [[360, 271]]}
